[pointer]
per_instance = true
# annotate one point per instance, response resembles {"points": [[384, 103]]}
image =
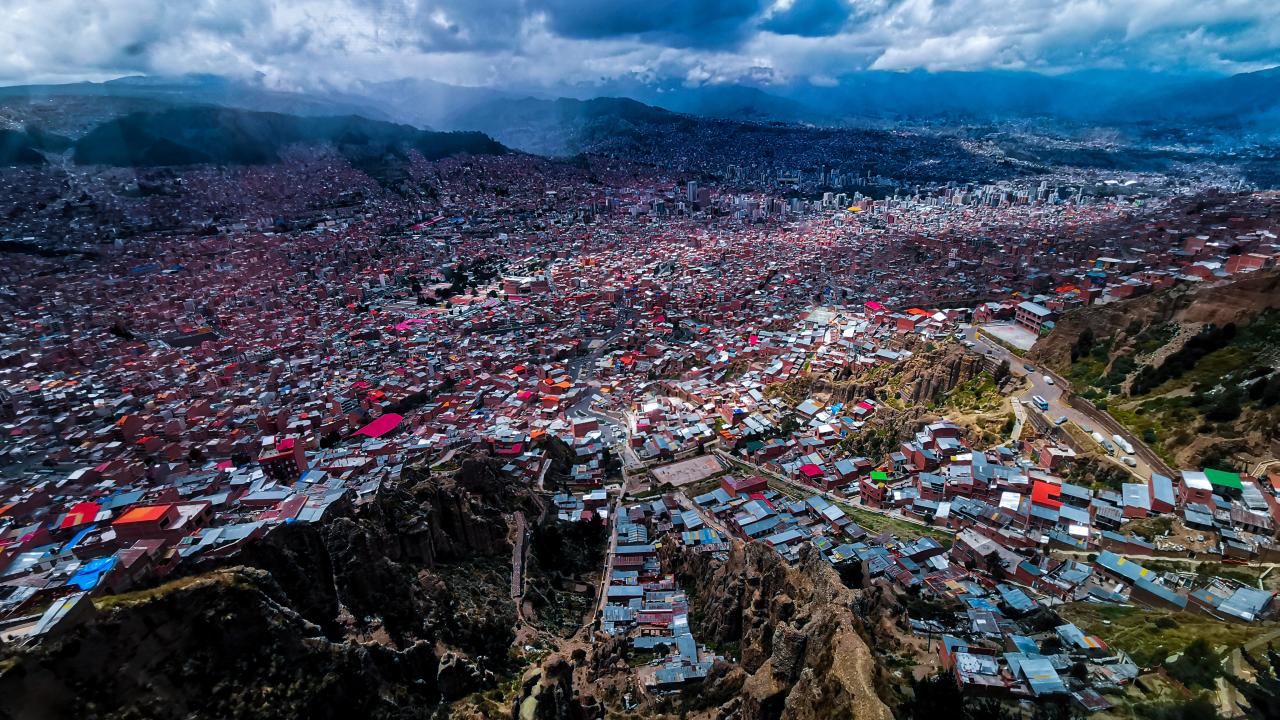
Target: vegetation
{"points": [[1263, 694], [1198, 666], [1199, 707], [1221, 383], [1178, 363], [977, 394], [1095, 473], [139, 596], [1151, 636]]}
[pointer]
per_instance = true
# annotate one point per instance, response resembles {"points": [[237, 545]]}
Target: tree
{"points": [[1199, 707], [1226, 407], [1199, 665], [1084, 343], [1263, 694]]}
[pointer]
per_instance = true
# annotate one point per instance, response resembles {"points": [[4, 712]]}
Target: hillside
{"points": [[206, 134], [1192, 369], [74, 108], [392, 609], [1244, 97], [565, 126], [25, 147]]}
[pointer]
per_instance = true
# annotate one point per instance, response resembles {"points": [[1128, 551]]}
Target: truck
{"points": [[1121, 442]]}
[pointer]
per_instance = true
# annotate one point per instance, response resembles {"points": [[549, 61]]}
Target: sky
{"points": [[293, 44]]}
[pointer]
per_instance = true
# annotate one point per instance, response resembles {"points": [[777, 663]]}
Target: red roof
{"points": [[79, 514], [383, 425], [810, 470], [1046, 494], [145, 513]]}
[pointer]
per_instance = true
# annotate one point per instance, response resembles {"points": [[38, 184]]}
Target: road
{"points": [[613, 428], [606, 577], [517, 558], [1053, 391]]}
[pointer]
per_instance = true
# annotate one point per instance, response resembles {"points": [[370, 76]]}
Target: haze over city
{"points": [[724, 359]]}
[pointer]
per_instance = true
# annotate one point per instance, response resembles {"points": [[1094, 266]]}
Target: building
{"points": [[1033, 316]]}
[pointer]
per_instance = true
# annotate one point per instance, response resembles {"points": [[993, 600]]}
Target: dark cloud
{"points": [[518, 43], [809, 18], [677, 23]]}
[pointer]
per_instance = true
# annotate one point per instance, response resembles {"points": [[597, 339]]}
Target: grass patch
{"points": [[1150, 635], [873, 522], [134, 597], [977, 394], [876, 523]]}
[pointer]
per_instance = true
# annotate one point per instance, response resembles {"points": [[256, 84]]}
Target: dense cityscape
{"points": [[597, 409]]}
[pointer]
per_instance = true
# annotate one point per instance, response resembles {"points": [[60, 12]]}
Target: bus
{"points": [[1040, 403]]}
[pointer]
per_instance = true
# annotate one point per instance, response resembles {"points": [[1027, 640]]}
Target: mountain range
{"points": [[1249, 100], [197, 134]]}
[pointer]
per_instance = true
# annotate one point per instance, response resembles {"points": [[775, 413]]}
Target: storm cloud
{"points": [[512, 43]]}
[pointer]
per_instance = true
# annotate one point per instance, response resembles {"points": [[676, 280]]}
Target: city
{"points": [[624, 411]]}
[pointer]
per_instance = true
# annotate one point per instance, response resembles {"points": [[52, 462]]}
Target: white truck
{"points": [[1122, 443]]}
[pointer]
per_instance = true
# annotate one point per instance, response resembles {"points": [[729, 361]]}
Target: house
{"points": [[1194, 487], [873, 490], [1033, 316], [1161, 495], [1137, 500], [743, 486]]}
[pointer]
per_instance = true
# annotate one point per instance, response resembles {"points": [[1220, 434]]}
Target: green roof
{"points": [[879, 475], [1224, 478]]}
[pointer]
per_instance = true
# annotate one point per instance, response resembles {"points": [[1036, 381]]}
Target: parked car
{"points": [[1062, 420]]}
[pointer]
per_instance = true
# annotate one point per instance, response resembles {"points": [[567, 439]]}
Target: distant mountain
{"points": [[1244, 98], [26, 147], [63, 107], [206, 134], [419, 101], [730, 102], [565, 126], [1094, 96]]}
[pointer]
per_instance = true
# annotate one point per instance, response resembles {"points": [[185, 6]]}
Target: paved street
{"points": [[1053, 393]]}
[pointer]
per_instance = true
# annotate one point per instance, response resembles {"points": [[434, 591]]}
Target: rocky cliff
{"points": [[1194, 305], [1192, 370], [799, 630], [385, 610], [921, 380]]}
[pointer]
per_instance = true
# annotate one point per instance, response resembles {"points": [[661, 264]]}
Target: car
{"points": [[1128, 460], [1028, 367], [1062, 420], [1048, 380]]}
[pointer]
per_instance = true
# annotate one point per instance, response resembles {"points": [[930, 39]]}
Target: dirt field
{"points": [[687, 471]]}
